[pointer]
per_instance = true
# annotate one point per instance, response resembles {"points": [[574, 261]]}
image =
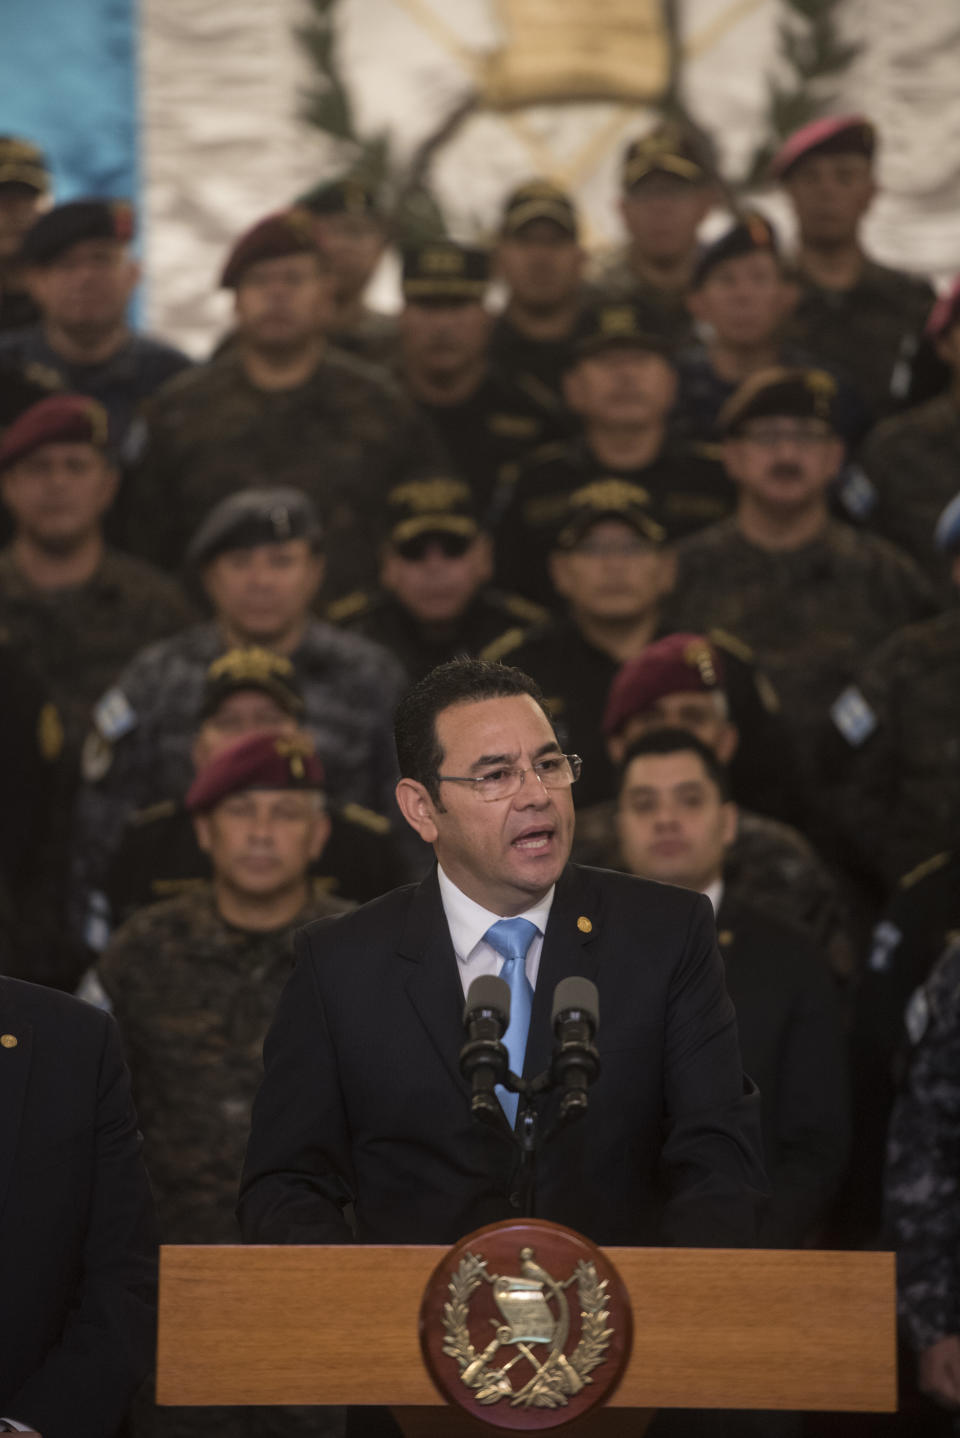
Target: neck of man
{"points": [[734, 363], [626, 446], [50, 569], [278, 369], [663, 272], [831, 266], [621, 638], [446, 387], [778, 529], [286, 642], [540, 324], [85, 344], [260, 913]]}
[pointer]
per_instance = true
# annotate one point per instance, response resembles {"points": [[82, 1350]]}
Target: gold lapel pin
{"points": [[725, 938], [9, 1041], [584, 925]]}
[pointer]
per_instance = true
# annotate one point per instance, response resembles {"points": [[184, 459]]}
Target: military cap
{"points": [[606, 499], [258, 761], [947, 533], [288, 232], [775, 392], [254, 516], [442, 270], [22, 163], [751, 235], [618, 324], [438, 504], [945, 312], [539, 200], [64, 226], [670, 149], [58, 419], [347, 195], [678, 664], [832, 135], [252, 668]]}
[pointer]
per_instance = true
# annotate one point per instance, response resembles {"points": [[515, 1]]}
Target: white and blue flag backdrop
{"points": [[191, 109]]}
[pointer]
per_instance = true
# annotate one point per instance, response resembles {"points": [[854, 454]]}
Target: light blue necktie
{"points": [[512, 938]]}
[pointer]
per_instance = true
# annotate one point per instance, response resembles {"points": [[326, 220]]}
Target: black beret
{"points": [[67, 225], [752, 234], [251, 517], [347, 195]]}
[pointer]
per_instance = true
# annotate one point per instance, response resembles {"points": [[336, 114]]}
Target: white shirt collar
{"points": [[469, 921], [714, 893]]}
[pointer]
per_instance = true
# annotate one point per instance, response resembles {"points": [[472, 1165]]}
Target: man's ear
{"points": [[418, 809], [201, 826]]}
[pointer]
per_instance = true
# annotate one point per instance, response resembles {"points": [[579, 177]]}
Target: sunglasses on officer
{"points": [[451, 546]]}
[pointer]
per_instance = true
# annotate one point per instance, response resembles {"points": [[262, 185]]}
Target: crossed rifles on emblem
{"points": [[524, 1303]]}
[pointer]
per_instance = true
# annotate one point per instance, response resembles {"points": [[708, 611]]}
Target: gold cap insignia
{"points": [[427, 495], [584, 925], [295, 749], [50, 733], [9, 1041], [618, 320], [442, 261], [609, 494], [698, 655], [99, 424], [253, 663], [823, 387]]}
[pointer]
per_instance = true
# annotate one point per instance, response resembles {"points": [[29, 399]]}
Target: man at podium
{"points": [[362, 1128]]}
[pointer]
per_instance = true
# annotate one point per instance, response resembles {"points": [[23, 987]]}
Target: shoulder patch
{"points": [[853, 716], [96, 756], [505, 644], [929, 866], [348, 607], [723, 639], [50, 734], [366, 818], [152, 812], [114, 716], [884, 943], [856, 493], [767, 694]]}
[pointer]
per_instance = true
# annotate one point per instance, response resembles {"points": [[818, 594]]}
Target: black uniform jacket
{"points": [[363, 1102], [77, 1226]]}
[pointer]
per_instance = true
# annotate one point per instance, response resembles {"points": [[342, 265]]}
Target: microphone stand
{"points": [[527, 1136]]}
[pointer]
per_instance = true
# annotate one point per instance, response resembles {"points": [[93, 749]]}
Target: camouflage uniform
{"points": [[139, 750], [419, 647], [194, 997], [344, 436], [912, 463], [79, 639], [769, 867], [895, 749], [371, 336], [869, 332], [537, 366], [121, 383], [922, 1190], [685, 487], [665, 311], [808, 614]]}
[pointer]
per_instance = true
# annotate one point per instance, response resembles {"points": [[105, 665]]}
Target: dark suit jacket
{"points": [[362, 1099], [77, 1230], [793, 1046]]}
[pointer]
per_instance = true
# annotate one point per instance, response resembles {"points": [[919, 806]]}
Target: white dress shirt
{"points": [[468, 922], [714, 893]]}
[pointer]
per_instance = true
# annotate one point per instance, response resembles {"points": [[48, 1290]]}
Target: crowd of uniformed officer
{"points": [[693, 488]]}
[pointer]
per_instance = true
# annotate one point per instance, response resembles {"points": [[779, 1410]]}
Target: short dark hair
{"points": [[459, 681], [678, 741]]}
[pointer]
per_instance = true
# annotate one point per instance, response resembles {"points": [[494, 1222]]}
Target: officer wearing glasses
{"points": [[435, 600], [363, 1109]]}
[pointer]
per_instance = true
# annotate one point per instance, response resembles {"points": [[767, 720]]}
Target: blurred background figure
{"points": [[24, 183]]}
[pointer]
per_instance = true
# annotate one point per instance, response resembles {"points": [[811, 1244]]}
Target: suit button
{"points": [[515, 1200]]}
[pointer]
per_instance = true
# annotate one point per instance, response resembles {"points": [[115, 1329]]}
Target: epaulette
{"points": [[525, 609], [366, 818], [929, 866], [723, 639], [554, 450], [539, 392], [506, 643], [349, 606], [152, 812], [707, 449]]}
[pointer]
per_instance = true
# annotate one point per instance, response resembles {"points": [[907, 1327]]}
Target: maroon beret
{"points": [[832, 135], [945, 312], [678, 664], [288, 232], [59, 419], [259, 761]]}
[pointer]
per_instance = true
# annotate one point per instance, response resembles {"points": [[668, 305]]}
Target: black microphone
{"points": [[484, 1061], [576, 1063]]}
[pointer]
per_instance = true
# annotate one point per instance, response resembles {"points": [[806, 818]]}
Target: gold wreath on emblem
{"points": [[534, 1311]]}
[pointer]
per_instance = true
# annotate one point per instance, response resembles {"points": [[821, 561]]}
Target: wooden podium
{"points": [[712, 1328]]}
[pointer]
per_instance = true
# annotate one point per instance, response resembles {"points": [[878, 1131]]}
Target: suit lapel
{"points": [[568, 949], [14, 1071], [432, 980]]}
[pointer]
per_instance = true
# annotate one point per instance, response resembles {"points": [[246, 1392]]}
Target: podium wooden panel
{"points": [[713, 1328]]}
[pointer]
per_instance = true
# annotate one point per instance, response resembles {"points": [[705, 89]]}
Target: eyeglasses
{"points": [[556, 771], [451, 546], [768, 436]]}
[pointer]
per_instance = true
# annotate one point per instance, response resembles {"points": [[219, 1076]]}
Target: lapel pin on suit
{"points": [[725, 938], [584, 925], [9, 1041]]}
